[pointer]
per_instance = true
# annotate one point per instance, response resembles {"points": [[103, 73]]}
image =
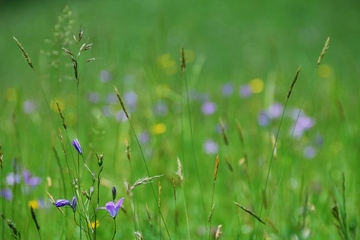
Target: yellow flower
{"points": [[158, 128], [92, 225], [256, 85], [34, 204], [167, 63], [325, 71], [11, 95]]}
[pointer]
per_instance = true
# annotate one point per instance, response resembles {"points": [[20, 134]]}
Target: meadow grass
{"points": [[104, 140]]}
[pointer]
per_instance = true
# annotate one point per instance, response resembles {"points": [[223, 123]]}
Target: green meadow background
{"points": [[254, 44]]}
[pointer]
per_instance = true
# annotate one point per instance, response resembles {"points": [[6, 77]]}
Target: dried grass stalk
{"points": [[121, 103], [293, 82], [149, 217], [223, 133], [61, 115], [142, 181], [34, 218], [179, 170], [250, 212], [216, 167], [218, 232], [26, 56], [211, 212], [326, 47], [182, 60]]}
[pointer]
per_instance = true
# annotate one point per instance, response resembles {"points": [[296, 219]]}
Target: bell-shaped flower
{"points": [[113, 208], [77, 146]]}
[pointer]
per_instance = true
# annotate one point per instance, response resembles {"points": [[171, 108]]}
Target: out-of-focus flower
{"points": [[113, 208], [6, 193], [263, 118], [29, 106], [167, 63], [303, 123], [30, 180], [325, 71], [131, 99], [309, 152], [94, 225], [227, 89], [210, 147], [105, 76], [111, 98], [245, 91], [208, 108], [12, 179], [144, 137], [77, 146], [275, 110], [120, 116], [160, 108], [256, 85], [93, 97], [34, 204], [159, 128]]}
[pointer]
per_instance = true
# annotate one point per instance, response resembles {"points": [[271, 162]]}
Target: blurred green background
{"points": [[226, 42]]}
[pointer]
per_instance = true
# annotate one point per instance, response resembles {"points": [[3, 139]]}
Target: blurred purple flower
{"points": [[111, 98], [208, 108], [105, 76], [210, 147], [29, 106], [12, 179], [113, 208], [303, 123], [309, 152], [160, 108], [263, 118], [93, 97], [275, 110], [131, 99], [120, 116], [227, 89], [30, 180], [77, 146], [245, 91], [6, 193], [144, 137], [197, 96]]}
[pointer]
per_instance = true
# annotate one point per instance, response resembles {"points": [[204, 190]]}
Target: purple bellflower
{"points": [[112, 207], [77, 146], [64, 202]]}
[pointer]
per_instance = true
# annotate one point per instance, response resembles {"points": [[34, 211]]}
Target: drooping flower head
{"points": [[64, 202], [77, 146]]}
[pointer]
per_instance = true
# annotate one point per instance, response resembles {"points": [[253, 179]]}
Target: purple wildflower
{"points": [[161, 108], [105, 76], [303, 123], [131, 99], [208, 108], [144, 137], [210, 147], [29, 106], [113, 208], [30, 180], [73, 203], [227, 89], [275, 110], [12, 179], [62, 203], [77, 146], [6, 193], [309, 152], [93, 97], [245, 91], [263, 119]]}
